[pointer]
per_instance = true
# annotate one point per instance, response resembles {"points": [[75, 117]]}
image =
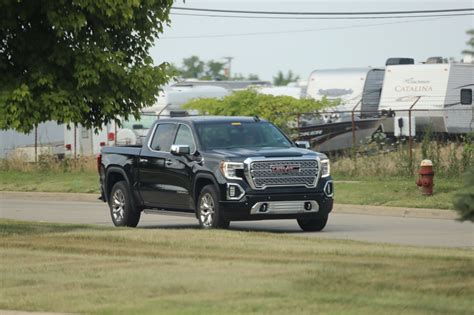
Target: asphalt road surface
{"points": [[361, 227]]}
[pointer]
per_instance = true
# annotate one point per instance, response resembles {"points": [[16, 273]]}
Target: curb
{"points": [[338, 208]]}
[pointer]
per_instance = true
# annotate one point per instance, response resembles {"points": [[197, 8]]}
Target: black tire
{"points": [[208, 210], [313, 225], [122, 209]]}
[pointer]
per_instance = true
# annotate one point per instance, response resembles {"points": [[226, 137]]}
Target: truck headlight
{"points": [[325, 168], [232, 170]]}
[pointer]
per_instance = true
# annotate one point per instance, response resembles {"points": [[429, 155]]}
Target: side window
{"points": [[184, 136], [163, 137], [466, 96]]}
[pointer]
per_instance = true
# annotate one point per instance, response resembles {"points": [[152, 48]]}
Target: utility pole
{"points": [[229, 64]]}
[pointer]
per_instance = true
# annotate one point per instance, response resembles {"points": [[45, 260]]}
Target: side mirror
{"points": [[302, 144], [178, 149]]}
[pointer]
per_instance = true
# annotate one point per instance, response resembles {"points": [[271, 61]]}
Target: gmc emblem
{"points": [[285, 169]]}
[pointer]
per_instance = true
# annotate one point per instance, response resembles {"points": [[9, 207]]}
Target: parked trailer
{"points": [[48, 137], [352, 86], [440, 96], [172, 98]]}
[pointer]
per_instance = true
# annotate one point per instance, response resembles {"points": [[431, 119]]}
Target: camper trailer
{"points": [[356, 89], [82, 141], [230, 85], [440, 96], [352, 86], [48, 137], [172, 98]]}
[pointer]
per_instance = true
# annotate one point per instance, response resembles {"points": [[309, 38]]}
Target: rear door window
{"points": [[184, 136], [163, 137]]}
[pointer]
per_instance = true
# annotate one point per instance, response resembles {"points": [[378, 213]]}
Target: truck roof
{"points": [[199, 119]]}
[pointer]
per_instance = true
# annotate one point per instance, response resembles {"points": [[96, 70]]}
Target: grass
{"points": [[396, 192], [86, 269], [392, 191], [49, 181]]}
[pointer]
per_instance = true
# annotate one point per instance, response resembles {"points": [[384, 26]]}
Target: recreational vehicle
{"points": [[439, 96], [172, 98], [351, 86], [336, 128], [48, 137]]}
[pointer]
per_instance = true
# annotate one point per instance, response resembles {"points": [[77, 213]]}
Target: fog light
{"points": [[308, 206], [264, 207], [232, 191]]}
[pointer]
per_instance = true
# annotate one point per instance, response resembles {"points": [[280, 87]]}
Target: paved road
{"points": [[372, 228]]}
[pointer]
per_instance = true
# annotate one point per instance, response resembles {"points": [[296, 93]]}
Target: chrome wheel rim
{"points": [[118, 205], [206, 210]]}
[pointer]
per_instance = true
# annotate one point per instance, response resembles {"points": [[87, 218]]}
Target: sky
{"points": [[305, 45]]}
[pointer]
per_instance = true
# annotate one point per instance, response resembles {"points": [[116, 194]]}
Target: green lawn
{"points": [[98, 270], [50, 181], [398, 192]]}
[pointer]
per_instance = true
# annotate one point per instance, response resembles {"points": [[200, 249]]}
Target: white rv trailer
{"points": [[350, 86], [172, 98], [293, 91], [227, 84], [442, 92], [49, 139], [85, 141]]}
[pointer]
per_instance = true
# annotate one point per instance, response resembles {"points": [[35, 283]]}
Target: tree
{"points": [[281, 110], [193, 67], [214, 71], [470, 43], [281, 79], [464, 200], [79, 61]]}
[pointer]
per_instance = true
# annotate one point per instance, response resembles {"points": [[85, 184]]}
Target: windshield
{"points": [[227, 135], [145, 122]]}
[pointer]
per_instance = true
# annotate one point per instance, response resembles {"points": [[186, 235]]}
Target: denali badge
{"points": [[285, 168]]}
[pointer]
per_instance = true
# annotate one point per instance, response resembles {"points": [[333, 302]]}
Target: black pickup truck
{"points": [[222, 169]]}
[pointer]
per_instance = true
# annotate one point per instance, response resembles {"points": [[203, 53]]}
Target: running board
{"points": [[170, 213]]}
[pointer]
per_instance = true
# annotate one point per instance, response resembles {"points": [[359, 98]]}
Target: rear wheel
{"points": [[313, 225], [209, 214], [122, 209]]}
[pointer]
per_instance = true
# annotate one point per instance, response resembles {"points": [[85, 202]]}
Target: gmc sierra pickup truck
{"points": [[222, 169]]}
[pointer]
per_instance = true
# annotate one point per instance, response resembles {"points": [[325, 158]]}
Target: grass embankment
{"points": [[392, 191], [85, 269]]}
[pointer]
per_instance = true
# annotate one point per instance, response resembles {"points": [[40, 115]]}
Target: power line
{"points": [[324, 13], [317, 17], [295, 31]]}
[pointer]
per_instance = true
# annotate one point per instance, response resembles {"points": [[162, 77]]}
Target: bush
{"points": [[280, 110], [464, 200]]}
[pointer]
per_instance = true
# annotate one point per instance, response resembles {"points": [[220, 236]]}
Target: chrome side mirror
{"points": [[302, 144], [178, 149]]}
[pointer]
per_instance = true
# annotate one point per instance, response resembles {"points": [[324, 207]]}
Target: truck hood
{"points": [[263, 152]]}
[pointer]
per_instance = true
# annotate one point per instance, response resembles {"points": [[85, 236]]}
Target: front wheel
{"points": [[313, 225], [122, 210], [209, 214]]}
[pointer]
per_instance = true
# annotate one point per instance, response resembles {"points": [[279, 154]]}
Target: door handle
{"points": [[142, 160], [169, 162]]}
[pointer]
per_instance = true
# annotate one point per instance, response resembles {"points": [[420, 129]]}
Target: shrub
{"points": [[464, 200]]}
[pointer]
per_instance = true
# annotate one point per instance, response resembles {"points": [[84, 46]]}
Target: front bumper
{"points": [[280, 206]]}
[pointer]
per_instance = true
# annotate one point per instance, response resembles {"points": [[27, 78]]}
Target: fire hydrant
{"points": [[426, 179]]}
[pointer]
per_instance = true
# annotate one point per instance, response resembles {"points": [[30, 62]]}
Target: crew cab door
{"points": [[163, 177]]}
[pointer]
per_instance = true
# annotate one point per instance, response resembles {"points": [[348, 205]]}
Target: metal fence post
{"points": [[36, 143], [353, 128], [75, 140], [410, 138]]}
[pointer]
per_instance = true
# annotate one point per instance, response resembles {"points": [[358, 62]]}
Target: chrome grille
{"points": [[281, 173]]}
